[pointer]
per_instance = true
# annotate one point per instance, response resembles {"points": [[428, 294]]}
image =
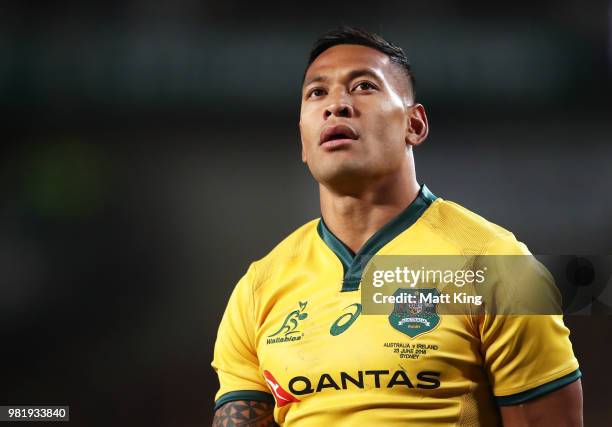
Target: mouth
{"points": [[338, 134]]}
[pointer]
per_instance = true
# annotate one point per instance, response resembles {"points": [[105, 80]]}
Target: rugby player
{"points": [[294, 348]]}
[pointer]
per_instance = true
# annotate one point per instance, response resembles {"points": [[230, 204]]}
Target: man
{"points": [[293, 347]]}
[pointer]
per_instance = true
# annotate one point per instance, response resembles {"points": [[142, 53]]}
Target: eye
{"points": [[362, 86], [315, 92]]}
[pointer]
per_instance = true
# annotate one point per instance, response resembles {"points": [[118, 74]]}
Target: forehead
{"points": [[345, 57]]}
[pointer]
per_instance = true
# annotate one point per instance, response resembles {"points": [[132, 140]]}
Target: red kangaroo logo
{"points": [[282, 396]]}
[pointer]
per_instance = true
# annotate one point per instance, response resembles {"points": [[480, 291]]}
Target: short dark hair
{"points": [[352, 35]]}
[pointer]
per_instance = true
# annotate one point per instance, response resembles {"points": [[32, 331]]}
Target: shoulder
{"points": [[470, 232], [287, 251]]}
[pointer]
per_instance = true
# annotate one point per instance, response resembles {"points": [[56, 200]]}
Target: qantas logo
{"points": [[428, 380], [300, 385], [282, 396]]}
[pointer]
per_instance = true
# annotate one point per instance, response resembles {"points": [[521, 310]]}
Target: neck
{"points": [[356, 217]]}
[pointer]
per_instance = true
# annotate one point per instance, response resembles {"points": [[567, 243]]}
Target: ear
{"points": [[418, 128]]}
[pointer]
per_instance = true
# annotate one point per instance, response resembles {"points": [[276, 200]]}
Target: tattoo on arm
{"points": [[245, 413]]}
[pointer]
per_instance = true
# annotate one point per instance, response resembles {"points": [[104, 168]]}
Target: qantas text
{"points": [[428, 380]]}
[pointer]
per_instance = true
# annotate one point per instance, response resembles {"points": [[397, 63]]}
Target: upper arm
{"points": [[245, 413], [526, 356], [235, 357], [562, 408]]}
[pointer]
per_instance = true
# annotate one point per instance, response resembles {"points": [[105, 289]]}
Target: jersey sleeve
{"points": [[235, 357], [525, 355]]}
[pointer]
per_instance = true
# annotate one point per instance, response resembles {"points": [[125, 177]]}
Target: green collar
{"points": [[354, 264]]}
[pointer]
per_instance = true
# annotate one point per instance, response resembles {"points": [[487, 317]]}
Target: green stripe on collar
{"points": [[353, 264]]}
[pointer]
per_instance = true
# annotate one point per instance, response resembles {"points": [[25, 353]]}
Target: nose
{"points": [[338, 109]]}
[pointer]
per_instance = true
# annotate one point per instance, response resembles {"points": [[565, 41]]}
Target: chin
{"points": [[345, 176]]}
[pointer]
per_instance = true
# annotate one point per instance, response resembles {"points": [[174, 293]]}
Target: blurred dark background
{"points": [[150, 152]]}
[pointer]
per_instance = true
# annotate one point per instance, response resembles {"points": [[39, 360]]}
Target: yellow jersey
{"points": [[294, 333]]}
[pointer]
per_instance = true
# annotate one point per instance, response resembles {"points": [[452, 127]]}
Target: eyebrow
{"points": [[350, 76]]}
